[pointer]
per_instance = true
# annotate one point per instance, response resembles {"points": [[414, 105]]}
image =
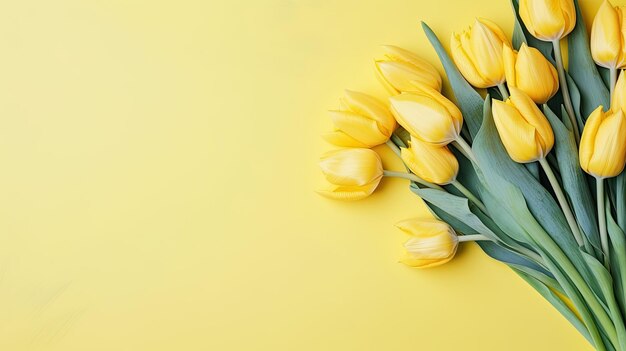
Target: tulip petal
{"points": [[609, 152], [350, 193], [432, 242], [536, 76], [429, 74], [518, 137], [534, 117], [351, 167], [462, 56], [486, 47], [423, 263], [588, 138], [341, 139], [372, 108], [545, 19], [360, 128], [434, 164], [424, 117], [606, 39], [509, 57]]}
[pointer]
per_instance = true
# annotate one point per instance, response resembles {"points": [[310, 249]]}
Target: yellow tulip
{"points": [[432, 242], [607, 36], [428, 115], [603, 143], [523, 128], [477, 53], [548, 20], [363, 121], [434, 164], [618, 100], [353, 173], [531, 72], [401, 70]]}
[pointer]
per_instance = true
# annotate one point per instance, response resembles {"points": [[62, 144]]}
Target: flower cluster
{"points": [[513, 171]]}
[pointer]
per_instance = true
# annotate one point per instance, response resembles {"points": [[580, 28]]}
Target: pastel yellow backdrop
{"points": [[158, 167]]}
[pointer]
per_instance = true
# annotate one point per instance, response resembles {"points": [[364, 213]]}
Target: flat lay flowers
{"points": [[525, 157]]}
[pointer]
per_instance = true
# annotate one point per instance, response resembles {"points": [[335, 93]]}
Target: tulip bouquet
{"points": [[527, 162]]}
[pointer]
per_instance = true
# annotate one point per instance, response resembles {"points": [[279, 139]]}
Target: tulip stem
{"points": [[472, 237], [412, 177], [465, 149], [503, 91], [393, 147], [613, 71], [468, 194], [560, 196], [556, 44], [602, 219]]}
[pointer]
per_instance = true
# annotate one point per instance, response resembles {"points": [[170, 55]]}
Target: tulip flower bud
{"points": [[607, 36], [477, 53], [402, 70], [432, 242], [548, 20], [618, 100], [531, 72], [433, 163], [523, 128], [603, 143], [363, 121], [428, 115], [354, 173]]}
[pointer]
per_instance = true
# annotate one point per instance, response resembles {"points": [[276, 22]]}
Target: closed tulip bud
{"points": [[607, 36], [401, 70], [432, 242], [523, 128], [434, 164], [548, 20], [618, 100], [477, 53], [353, 173], [531, 72], [428, 115], [363, 121], [603, 143]]}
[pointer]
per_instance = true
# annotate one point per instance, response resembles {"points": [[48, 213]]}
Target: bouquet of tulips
{"points": [[527, 163]]}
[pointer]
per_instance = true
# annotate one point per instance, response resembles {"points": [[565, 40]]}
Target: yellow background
{"points": [[158, 161]]}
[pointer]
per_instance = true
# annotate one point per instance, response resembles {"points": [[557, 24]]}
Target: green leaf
{"points": [[583, 69], [574, 94], [573, 179], [618, 258], [605, 281], [619, 184], [468, 99], [530, 205], [455, 206]]}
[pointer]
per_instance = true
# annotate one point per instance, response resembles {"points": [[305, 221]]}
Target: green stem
{"points": [[567, 211], [468, 194], [473, 237], [503, 91], [613, 71], [604, 240], [563, 81], [393, 147], [465, 149], [412, 177]]}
